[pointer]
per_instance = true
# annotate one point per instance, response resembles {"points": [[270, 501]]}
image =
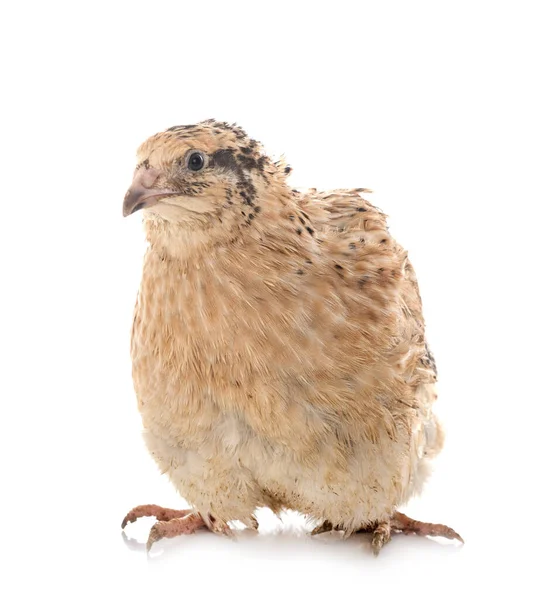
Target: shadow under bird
{"points": [[278, 345]]}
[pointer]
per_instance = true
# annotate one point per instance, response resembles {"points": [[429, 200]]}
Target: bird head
{"points": [[203, 176]]}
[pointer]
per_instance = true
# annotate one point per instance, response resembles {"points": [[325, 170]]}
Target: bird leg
{"points": [[404, 524], [381, 532], [171, 523], [399, 523], [153, 510]]}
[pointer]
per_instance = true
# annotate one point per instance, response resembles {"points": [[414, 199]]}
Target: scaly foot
{"points": [[153, 510], [171, 523], [404, 524], [398, 523], [174, 527]]}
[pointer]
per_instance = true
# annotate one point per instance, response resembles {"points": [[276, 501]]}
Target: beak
{"points": [[141, 193]]}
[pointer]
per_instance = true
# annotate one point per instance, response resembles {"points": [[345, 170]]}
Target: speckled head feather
{"points": [[215, 138], [216, 202]]}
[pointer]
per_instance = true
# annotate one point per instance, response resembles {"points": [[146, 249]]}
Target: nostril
{"points": [[148, 177], [145, 177]]}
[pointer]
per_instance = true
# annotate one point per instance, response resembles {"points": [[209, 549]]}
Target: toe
{"points": [[381, 536], [324, 527], [155, 534], [406, 525], [129, 518], [173, 528], [153, 510]]}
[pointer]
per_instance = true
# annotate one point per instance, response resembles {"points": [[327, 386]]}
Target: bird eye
{"points": [[196, 161]]}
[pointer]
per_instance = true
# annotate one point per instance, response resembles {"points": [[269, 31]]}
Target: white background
{"points": [[446, 109]]}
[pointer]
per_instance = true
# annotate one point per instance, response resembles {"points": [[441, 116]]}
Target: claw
{"points": [[154, 536]]}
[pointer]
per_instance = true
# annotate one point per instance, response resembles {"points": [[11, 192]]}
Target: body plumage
{"points": [[278, 346]]}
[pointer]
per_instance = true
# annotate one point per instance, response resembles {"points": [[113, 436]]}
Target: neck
{"points": [[178, 241], [266, 225]]}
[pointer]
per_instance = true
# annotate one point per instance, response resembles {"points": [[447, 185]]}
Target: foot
{"points": [[153, 510], [381, 533], [404, 524], [174, 527], [171, 523], [399, 523]]}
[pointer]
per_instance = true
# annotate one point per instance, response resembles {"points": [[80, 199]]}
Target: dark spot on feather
{"points": [[361, 209], [428, 359], [362, 281], [302, 220], [300, 272], [287, 170], [339, 267], [262, 162], [225, 159], [246, 198], [311, 231], [352, 246], [299, 231], [248, 162]]}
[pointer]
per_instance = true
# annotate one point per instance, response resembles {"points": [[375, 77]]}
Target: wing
{"points": [[356, 236]]}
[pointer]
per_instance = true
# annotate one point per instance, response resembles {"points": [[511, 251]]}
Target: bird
{"points": [[278, 346]]}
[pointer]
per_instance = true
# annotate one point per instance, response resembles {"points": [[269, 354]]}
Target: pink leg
{"points": [[171, 523], [153, 510], [401, 522], [398, 523]]}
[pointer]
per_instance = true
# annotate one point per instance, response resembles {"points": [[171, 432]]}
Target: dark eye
{"points": [[196, 161]]}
